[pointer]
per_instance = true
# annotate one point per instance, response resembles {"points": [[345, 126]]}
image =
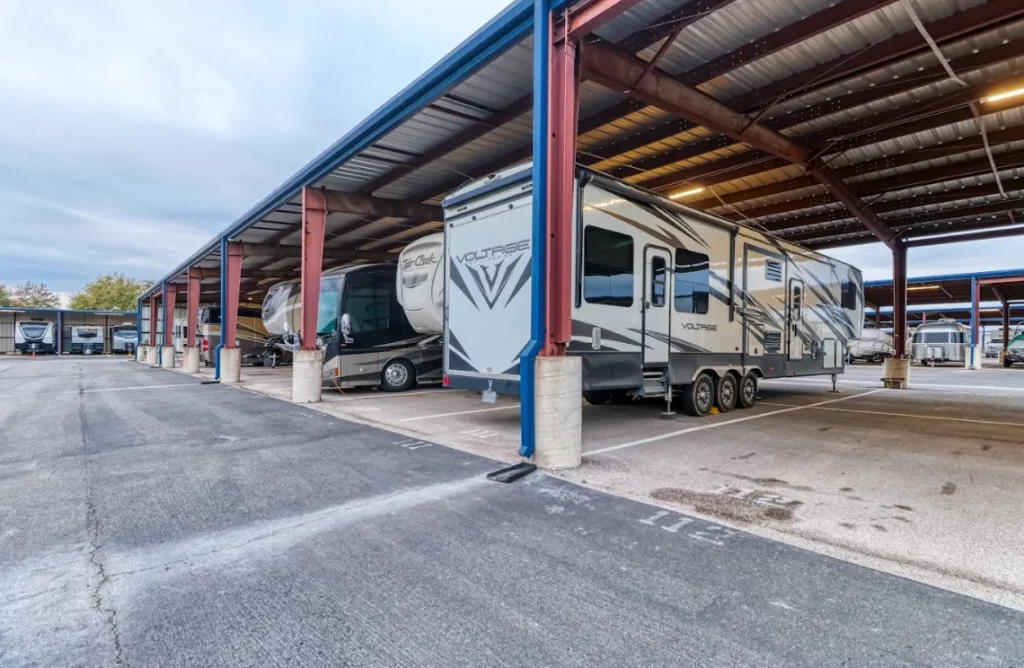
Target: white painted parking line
{"points": [[913, 385], [726, 423], [129, 388], [441, 415], [400, 395], [906, 415]]}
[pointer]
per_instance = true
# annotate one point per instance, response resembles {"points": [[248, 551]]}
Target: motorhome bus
{"points": [[366, 335], [250, 334], [35, 336], [666, 299]]}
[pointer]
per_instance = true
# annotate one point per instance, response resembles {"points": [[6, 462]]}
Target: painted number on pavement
{"points": [[693, 528], [760, 498], [412, 444]]}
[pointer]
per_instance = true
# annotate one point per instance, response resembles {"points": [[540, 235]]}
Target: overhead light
{"points": [[923, 287], [686, 193], [1002, 96]]}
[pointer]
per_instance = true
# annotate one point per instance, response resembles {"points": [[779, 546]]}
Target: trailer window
{"points": [[607, 267], [658, 281], [937, 337], [693, 282], [848, 295], [33, 330]]}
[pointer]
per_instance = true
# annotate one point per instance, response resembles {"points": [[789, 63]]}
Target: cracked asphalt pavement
{"points": [[148, 520]]}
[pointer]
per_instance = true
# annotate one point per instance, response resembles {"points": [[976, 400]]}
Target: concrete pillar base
{"points": [[230, 365], [167, 357], [191, 360], [140, 353], [307, 376], [979, 356], [152, 356], [896, 374], [559, 406]]}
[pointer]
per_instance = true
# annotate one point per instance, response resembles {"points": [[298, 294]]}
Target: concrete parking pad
{"points": [[834, 473], [201, 525]]}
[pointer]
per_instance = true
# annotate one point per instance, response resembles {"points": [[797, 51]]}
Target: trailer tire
{"points": [[1007, 363], [397, 376], [598, 397], [727, 392], [699, 396], [747, 395]]}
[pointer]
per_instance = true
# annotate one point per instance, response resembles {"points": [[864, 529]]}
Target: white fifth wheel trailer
{"points": [[665, 298], [35, 336]]}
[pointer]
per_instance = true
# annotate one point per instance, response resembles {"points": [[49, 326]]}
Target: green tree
{"points": [[34, 295], [5, 296], [110, 292]]}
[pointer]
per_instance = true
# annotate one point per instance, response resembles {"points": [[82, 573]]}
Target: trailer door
{"points": [[796, 318], [656, 316]]}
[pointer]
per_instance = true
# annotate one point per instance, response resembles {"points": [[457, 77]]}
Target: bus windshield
{"points": [[331, 288]]}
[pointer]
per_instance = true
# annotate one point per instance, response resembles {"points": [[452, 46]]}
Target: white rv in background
{"points": [[873, 345], [666, 299], [941, 341], [87, 340], [124, 338], [35, 336]]}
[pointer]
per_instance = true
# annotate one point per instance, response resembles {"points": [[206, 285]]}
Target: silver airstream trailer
{"points": [[941, 341]]}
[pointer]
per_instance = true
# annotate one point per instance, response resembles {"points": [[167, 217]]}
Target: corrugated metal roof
{"points": [[455, 104]]}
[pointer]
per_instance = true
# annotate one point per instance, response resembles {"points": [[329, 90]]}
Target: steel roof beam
{"points": [[342, 202], [836, 103], [590, 16], [878, 127], [906, 44], [923, 177], [860, 237], [295, 251], [617, 70]]}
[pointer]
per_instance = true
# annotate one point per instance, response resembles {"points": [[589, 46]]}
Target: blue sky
{"points": [[130, 133]]}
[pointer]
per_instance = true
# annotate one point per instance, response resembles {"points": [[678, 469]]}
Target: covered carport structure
{"points": [[827, 123], [947, 295]]}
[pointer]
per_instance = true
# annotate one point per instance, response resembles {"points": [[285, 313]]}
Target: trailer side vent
{"points": [[773, 271], [772, 342]]}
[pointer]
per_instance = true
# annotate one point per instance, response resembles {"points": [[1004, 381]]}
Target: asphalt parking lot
{"points": [[150, 520], [924, 483]]}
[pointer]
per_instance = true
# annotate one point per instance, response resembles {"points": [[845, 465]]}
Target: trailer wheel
{"points": [[747, 396], [699, 396], [726, 392], [397, 376], [598, 397]]}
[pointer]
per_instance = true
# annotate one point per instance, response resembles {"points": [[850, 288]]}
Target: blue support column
{"points": [[60, 332], [223, 302], [538, 244], [138, 324], [975, 317]]}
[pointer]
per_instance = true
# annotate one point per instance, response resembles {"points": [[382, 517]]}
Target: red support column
{"points": [[234, 282], [170, 298], [314, 225], [563, 113], [899, 302], [153, 319], [192, 305]]}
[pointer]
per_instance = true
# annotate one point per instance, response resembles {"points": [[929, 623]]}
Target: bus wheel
{"points": [[726, 392], [699, 397], [397, 376], [747, 395]]}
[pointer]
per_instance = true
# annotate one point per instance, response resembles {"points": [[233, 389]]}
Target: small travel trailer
{"points": [[87, 340], [367, 336], [873, 345], [666, 299], [124, 338], [35, 336], [941, 341]]}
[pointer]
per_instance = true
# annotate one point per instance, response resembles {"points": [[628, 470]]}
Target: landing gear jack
{"points": [[668, 412], [833, 390]]}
